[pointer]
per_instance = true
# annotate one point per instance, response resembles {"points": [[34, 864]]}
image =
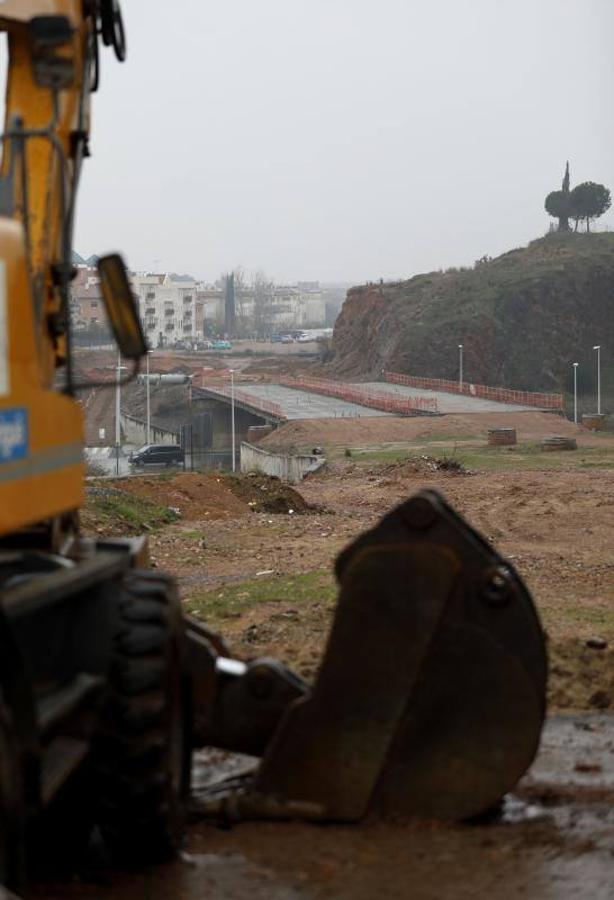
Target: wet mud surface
{"points": [[555, 839]]}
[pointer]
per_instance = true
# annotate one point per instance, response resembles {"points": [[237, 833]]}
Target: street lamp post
{"points": [[575, 393], [597, 347], [148, 403], [232, 416], [460, 368], [118, 433]]}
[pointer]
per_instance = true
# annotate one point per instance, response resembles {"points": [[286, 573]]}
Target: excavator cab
{"points": [[430, 697]]}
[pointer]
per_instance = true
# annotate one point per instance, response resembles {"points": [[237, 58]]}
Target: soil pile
{"points": [[193, 495], [197, 495], [263, 493]]}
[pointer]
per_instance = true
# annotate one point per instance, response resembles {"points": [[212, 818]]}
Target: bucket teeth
{"points": [[430, 698]]}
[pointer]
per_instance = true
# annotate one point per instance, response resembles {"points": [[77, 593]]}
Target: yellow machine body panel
{"points": [[41, 430]]}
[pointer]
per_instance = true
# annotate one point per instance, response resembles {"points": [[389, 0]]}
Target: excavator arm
{"points": [[45, 140], [52, 70]]}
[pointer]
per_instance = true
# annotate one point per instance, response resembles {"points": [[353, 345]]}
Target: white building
{"points": [[169, 309], [173, 311]]}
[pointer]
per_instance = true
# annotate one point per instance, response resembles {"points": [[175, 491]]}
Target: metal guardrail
{"points": [[484, 392], [352, 393]]}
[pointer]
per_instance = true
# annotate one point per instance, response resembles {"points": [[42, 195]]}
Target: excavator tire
{"points": [[12, 807], [142, 761]]}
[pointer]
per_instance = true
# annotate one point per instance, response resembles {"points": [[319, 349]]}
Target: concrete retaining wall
{"points": [[288, 468], [135, 432]]}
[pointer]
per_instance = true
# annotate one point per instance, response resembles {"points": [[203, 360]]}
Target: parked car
{"points": [[304, 339], [157, 455], [180, 345], [276, 338], [221, 345], [287, 339]]}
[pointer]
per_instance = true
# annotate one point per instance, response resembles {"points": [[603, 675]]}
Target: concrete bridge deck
{"points": [[279, 403], [447, 402]]}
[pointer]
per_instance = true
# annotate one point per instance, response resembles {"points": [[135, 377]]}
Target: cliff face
{"points": [[523, 318]]}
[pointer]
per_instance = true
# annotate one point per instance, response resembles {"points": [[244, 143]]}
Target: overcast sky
{"points": [[343, 139]]}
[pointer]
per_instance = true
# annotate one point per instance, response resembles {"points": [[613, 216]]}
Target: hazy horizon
{"points": [[343, 140]]}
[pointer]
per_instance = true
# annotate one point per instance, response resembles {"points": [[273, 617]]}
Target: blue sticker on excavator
{"points": [[13, 434]]}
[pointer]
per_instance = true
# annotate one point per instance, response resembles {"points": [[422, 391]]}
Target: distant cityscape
{"points": [[179, 310]]}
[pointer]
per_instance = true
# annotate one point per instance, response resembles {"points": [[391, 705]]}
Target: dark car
{"points": [[157, 455]]}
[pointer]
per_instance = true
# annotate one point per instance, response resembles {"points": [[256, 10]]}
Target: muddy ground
{"points": [[256, 562], [263, 578]]}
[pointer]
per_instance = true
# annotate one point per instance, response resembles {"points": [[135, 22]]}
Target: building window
{"points": [[187, 298], [150, 295], [93, 303]]}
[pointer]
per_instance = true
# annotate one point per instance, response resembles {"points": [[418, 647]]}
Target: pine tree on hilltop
{"points": [[588, 201], [557, 203]]}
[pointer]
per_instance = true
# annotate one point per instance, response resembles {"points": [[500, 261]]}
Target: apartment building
{"points": [[276, 308], [173, 311], [169, 309], [87, 307]]}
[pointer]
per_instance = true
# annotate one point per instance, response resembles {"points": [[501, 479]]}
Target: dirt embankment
{"points": [[530, 426], [507, 312]]}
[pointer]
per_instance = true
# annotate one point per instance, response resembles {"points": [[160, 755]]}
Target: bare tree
{"points": [[263, 288]]}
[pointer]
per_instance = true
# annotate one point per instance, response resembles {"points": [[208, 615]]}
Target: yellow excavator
{"points": [[430, 697]]}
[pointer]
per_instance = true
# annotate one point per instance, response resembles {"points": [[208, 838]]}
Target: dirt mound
{"points": [[197, 495], [262, 493], [194, 495], [377, 430]]}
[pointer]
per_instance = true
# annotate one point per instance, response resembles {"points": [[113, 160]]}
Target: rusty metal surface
{"points": [[431, 696]]}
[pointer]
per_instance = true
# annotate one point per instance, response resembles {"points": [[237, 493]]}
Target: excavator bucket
{"points": [[431, 695]]}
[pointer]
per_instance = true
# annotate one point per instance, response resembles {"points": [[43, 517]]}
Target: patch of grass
{"points": [[114, 511], [579, 616], [231, 601], [446, 438], [379, 455], [491, 459], [531, 456], [191, 534]]}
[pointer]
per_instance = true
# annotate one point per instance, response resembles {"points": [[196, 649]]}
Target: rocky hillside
{"points": [[523, 318]]}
